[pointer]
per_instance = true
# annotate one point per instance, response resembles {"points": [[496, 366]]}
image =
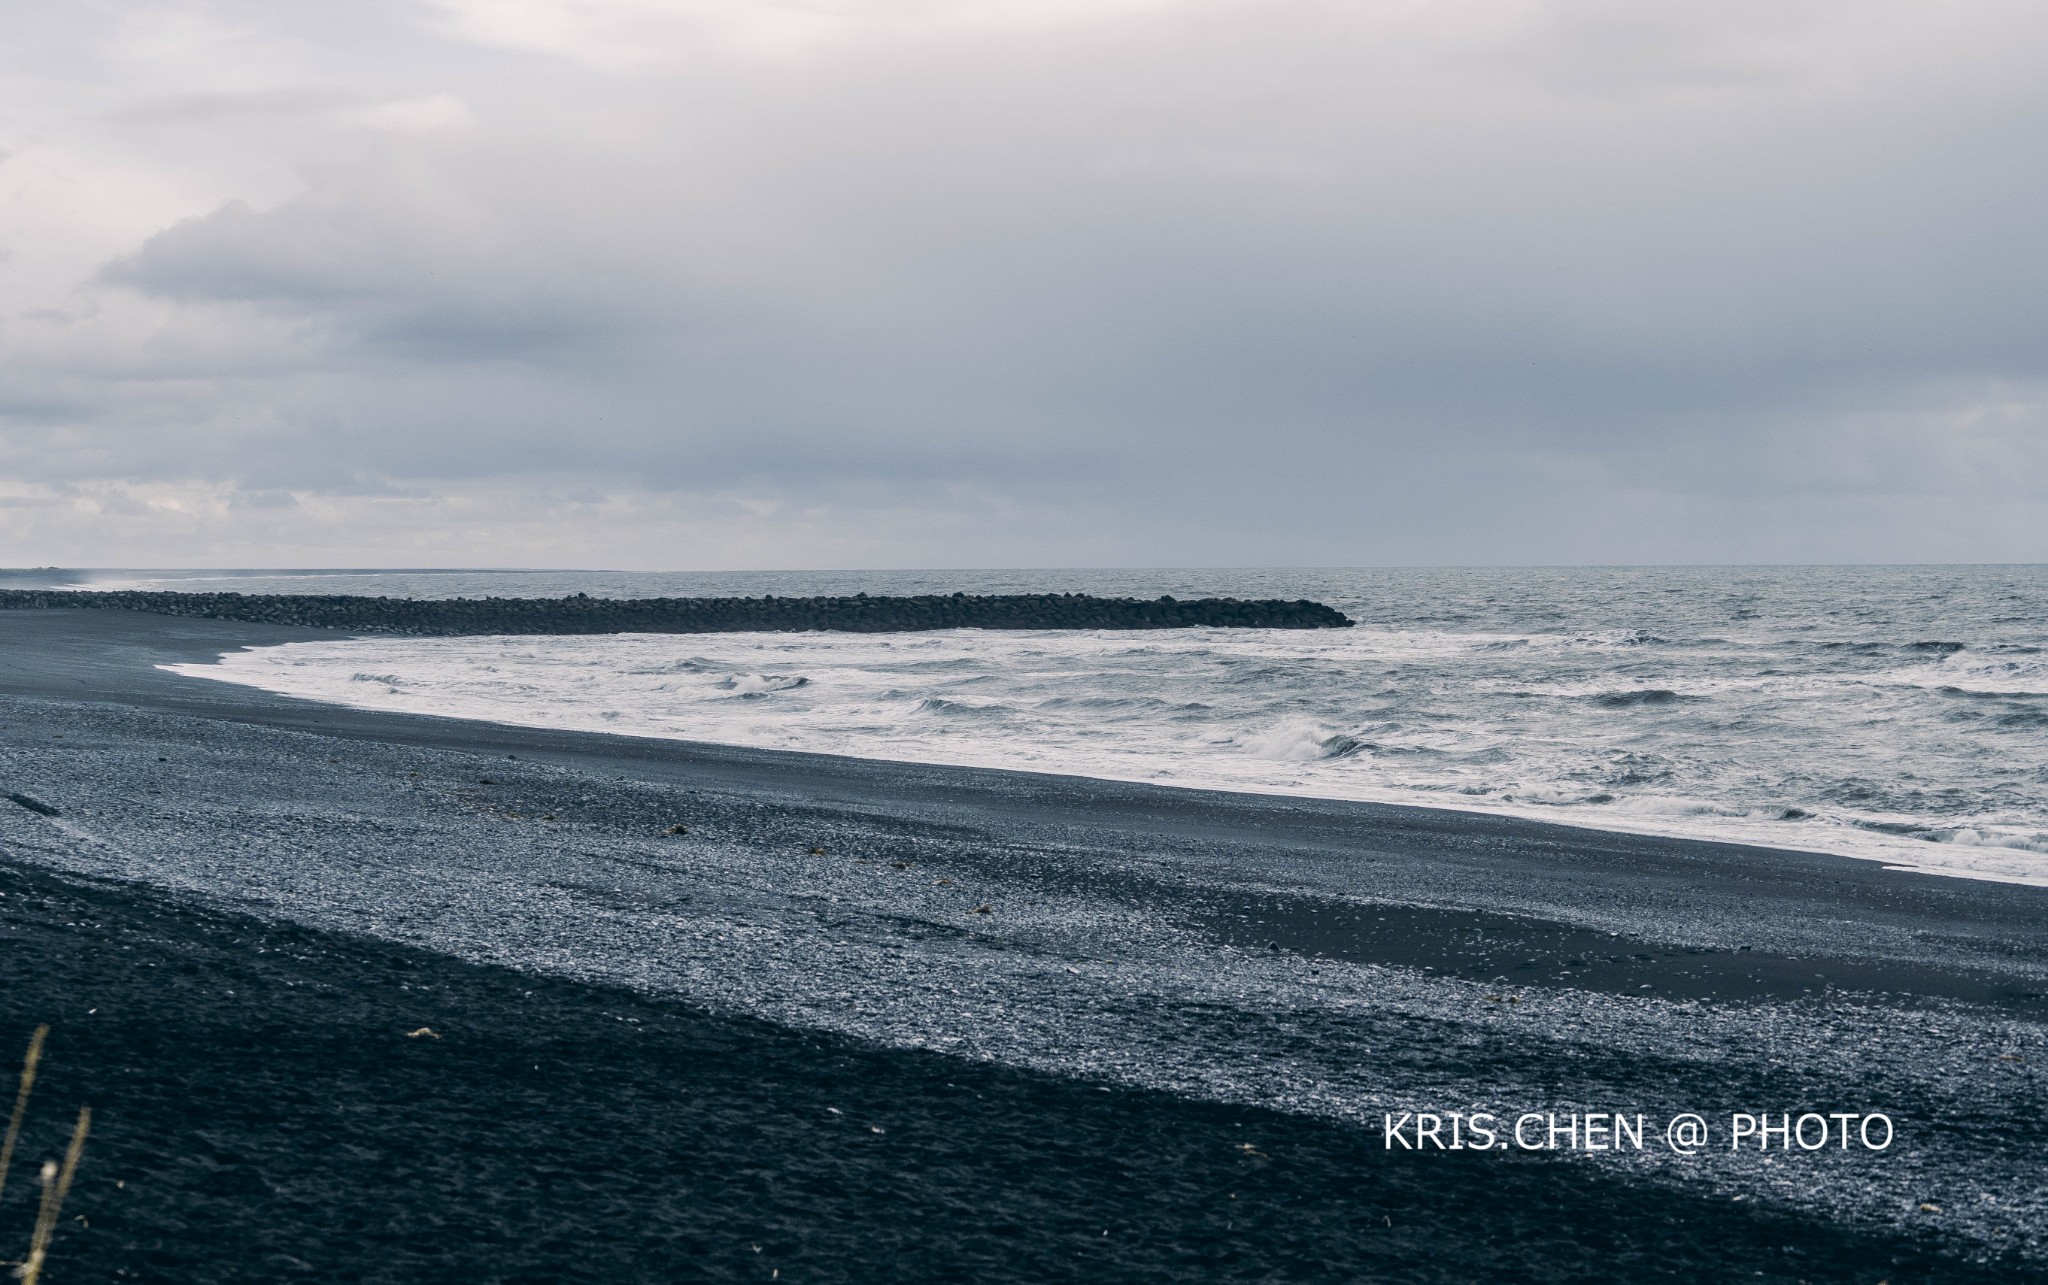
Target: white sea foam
{"points": [[1931, 756]]}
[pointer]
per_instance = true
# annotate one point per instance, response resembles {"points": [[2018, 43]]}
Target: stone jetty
{"points": [[585, 615]]}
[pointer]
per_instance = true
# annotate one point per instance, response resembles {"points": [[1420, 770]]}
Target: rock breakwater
{"points": [[585, 615]]}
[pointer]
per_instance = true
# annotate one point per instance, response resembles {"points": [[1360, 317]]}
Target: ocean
{"points": [[1892, 713]]}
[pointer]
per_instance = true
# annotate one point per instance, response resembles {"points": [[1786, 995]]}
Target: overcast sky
{"points": [[693, 284]]}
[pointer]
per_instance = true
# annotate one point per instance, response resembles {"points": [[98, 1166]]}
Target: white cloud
{"points": [[429, 114], [630, 35]]}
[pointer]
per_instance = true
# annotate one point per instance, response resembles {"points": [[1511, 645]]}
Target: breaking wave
{"points": [[1720, 711]]}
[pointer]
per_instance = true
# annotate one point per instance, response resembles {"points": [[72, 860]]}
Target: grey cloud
{"points": [[210, 108], [396, 276], [1258, 287]]}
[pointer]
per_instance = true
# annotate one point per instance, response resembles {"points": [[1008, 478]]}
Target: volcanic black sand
{"points": [[862, 1021]]}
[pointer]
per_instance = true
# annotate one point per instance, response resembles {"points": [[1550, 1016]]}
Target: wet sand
{"points": [[1155, 973]]}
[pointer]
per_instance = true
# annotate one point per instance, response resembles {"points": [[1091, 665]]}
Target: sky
{"points": [[704, 284]]}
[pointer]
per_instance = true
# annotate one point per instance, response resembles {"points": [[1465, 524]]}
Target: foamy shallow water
{"points": [[1925, 753]]}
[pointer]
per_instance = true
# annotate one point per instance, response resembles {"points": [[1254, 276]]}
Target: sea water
{"points": [[1893, 713]]}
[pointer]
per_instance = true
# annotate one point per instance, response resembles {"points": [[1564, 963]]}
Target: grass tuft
{"points": [[56, 1178], [56, 1186], [28, 1081]]}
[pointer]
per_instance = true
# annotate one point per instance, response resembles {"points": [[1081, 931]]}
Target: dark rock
{"points": [[34, 805]]}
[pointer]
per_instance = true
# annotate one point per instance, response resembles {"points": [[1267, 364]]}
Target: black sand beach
{"points": [[996, 1027]]}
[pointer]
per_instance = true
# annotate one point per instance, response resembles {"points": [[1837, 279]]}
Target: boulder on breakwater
{"points": [[585, 615]]}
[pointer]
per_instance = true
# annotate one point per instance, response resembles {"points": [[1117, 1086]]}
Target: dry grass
{"points": [[56, 1178], [28, 1081], [56, 1185]]}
